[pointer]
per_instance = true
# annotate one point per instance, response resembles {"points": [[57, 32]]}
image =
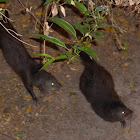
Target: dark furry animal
{"points": [[97, 85], [21, 62]]}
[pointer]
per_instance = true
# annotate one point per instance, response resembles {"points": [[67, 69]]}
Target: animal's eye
{"points": [[123, 112], [52, 84]]}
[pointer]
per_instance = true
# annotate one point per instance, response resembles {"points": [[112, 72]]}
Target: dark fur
{"points": [[18, 58], [97, 85]]}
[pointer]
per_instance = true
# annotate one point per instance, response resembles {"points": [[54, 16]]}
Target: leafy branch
{"points": [[89, 30]]}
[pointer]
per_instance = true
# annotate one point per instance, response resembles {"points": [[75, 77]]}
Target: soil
{"points": [[66, 114]]}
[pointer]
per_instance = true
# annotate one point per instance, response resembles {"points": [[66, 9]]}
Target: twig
{"points": [[118, 42], [15, 36], [1, 9], [6, 17], [9, 20], [46, 17], [44, 42], [29, 11], [8, 136], [14, 32]]}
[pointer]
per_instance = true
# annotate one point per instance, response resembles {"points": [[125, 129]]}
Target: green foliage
{"points": [[52, 59], [90, 28], [47, 1], [98, 35], [83, 30], [53, 40], [64, 24], [68, 1], [19, 135], [89, 51], [4, 0], [0, 14], [80, 6]]}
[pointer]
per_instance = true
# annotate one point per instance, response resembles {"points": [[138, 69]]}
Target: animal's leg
{"points": [[30, 90]]}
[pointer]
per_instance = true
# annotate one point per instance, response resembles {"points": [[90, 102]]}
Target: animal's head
{"points": [[46, 81], [120, 112]]}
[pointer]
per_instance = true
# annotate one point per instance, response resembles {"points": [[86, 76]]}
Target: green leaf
{"points": [[19, 135], [68, 1], [62, 56], [58, 1], [98, 35], [100, 8], [88, 20], [87, 26], [63, 24], [48, 63], [102, 25], [69, 55], [80, 6], [125, 44], [87, 13], [88, 50], [53, 40], [47, 1], [98, 14], [72, 93], [80, 28], [46, 55], [3, 0]]}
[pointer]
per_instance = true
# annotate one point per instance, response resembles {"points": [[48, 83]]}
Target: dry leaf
{"points": [[72, 2], [110, 30], [75, 68], [122, 132], [24, 25], [47, 99], [9, 119], [54, 9], [125, 64], [2, 5], [92, 4], [62, 105], [118, 2], [61, 82], [40, 13], [17, 122], [129, 131], [131, 2], [87, 34], [29, 109], [131, 85], [70, 50], [88, 45], [125, 53], [28, 97], [1, 99], [47, 29], [73, 102], [16, 129], [62, 9], [4, 115]]}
